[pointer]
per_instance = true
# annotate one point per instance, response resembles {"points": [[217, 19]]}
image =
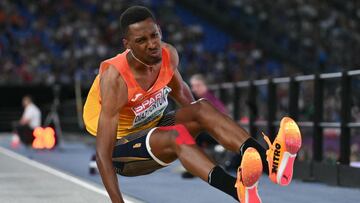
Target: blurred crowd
{"points": [[56, 41], [323, 34], [60, 41]]}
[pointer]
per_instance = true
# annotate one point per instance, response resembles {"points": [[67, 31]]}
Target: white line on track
{"points": [[61, 174]]}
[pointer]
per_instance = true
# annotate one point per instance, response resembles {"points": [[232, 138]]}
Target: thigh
{"points": [[161, 146], [186, 115], [131, 156], [160, 142], [145, 151], [181, 116]]}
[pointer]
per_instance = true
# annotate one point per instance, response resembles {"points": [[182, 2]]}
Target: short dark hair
{"points": [[133, 15]]}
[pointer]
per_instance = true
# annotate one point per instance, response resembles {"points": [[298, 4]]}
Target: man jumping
{"points": [[125, 110]]}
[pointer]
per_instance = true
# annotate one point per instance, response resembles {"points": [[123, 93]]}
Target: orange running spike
{"points": [[248, 175], [282, 152]]}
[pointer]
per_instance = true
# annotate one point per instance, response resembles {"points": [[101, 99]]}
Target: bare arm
{"points": [[181, 92], [24, 121], [113, 98]]}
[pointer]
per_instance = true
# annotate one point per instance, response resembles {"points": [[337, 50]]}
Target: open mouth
{"points": [[155, 52]]}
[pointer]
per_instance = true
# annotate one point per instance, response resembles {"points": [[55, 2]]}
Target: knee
{"points": [[202, 107]]}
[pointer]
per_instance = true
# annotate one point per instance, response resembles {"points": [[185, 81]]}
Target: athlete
{"points": [[125, 110]]}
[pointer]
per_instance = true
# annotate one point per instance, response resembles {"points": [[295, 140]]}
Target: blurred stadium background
{"points": [[264, 59]]}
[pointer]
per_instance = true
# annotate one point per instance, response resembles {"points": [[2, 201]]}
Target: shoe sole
{"points": [[253, 193], [251, 167], [293, 144], [251, 174]]}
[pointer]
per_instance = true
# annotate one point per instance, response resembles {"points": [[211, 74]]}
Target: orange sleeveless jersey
{"points": [[144, 108]]}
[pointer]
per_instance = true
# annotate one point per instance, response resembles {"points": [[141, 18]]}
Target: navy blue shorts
{"points": [[132, 155]]}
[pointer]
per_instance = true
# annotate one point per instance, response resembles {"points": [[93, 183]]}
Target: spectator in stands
{"points": [[30, 119], [200, 89], [37, 41]]}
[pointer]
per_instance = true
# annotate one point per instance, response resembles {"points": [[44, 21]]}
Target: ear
{"points": [[126, 43], [158, 26]]}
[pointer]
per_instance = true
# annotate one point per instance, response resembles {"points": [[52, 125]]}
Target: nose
{"points": [[152, 44]]}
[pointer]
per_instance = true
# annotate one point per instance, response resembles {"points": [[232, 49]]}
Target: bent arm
{"points": [[181, 92], [113, 98]]}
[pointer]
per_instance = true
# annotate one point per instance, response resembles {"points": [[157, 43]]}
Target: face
{"points": [[198, 87], [144, 40], [25, 101]]}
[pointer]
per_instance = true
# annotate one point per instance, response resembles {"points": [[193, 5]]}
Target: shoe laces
{"points": [[266, 138], [271, 146]]}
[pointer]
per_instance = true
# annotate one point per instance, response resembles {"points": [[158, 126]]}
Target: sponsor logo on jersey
{"points": [[136, 97], [151, 108]]}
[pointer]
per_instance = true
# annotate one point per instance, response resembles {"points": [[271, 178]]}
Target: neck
{"points": [[138, 60]]}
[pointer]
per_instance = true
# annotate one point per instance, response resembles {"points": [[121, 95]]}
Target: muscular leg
{"points": [[164, 146], [201, 116]]}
